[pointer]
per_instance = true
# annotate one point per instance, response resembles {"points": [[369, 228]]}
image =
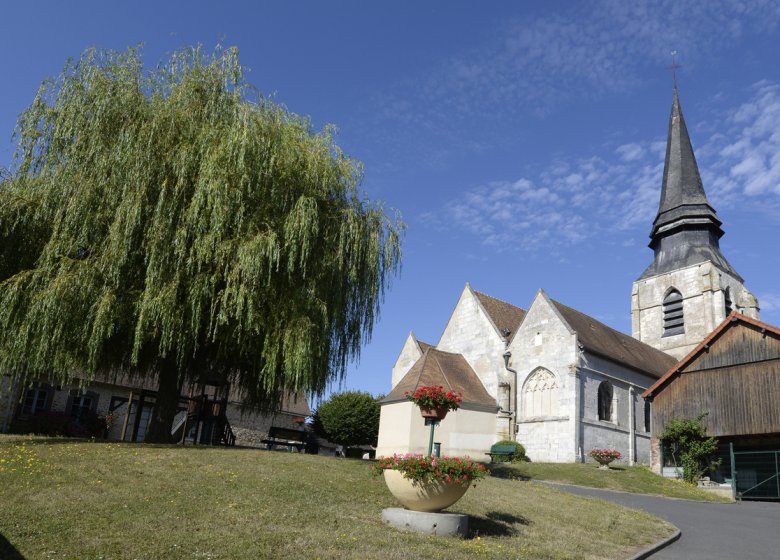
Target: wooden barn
{"points": [[734, 377]]}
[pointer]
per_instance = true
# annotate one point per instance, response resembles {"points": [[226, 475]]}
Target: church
{"points": [[557, 380]]}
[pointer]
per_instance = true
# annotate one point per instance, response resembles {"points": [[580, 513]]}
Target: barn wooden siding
{"points": [[736, 380]]}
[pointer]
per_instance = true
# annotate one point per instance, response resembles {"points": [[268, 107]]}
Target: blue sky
{"points": [[522, 144]]}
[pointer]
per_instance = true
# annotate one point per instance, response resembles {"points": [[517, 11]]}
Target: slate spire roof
{"points": [[682, 192], [686, 229]]}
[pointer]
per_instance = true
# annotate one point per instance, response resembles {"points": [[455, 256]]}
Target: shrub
{"points": [[687, 441], [350, 418], [518, 455]]}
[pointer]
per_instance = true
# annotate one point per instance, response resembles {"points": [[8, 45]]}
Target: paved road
{"points": [[744, 531]]}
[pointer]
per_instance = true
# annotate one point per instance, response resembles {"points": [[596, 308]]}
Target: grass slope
{"points": [[65, 499], [627, 479]]}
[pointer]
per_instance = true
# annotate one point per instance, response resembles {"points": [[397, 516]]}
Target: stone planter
{"points": [[604, 463], [423, 496]]}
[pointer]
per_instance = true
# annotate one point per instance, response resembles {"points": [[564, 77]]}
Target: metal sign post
{"points": [[432, 422]]}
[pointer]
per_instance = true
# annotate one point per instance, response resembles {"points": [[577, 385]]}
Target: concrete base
{"points": [[441, 524]]}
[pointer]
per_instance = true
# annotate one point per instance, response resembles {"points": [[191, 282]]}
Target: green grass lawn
{"points": [[627, 479], [80, 500]]}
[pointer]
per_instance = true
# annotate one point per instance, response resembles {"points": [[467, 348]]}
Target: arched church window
{"points": [[673, 313], [605, 401], [727, 301], [540, 394]]}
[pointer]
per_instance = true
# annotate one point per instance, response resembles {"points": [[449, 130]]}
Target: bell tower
{"points": [[690, 287]]}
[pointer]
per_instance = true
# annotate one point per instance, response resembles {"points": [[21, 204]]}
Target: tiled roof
{"points": [[451, 371], [505, 316], [733, 319], [606, 341], [424, 346]]}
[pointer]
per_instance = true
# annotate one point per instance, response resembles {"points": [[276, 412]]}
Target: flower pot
{"points": [[604, 463], [438, 412], [424, 496]]}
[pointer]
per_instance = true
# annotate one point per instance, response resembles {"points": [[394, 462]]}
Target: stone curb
{"points": [[647, 552]]}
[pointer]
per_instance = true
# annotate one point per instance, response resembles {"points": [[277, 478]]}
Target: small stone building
{"points": [[732, 376], [466, 431]]}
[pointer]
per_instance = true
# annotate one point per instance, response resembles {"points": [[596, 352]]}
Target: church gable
{"points": [[543, 330], [411, 352], [472, 332]]}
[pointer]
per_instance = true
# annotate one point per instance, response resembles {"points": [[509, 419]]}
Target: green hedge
{"points": [[519, 454]]}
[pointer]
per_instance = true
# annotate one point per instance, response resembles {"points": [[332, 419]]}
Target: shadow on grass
{"points": [[507, 473], [8, 551], [496, 524]]}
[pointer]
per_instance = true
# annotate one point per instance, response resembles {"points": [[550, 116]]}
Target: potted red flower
{"points": [[605, 456], [429, 484], [434, 402]]}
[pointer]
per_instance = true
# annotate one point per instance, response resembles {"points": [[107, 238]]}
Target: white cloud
{"points": [[769, 302], [534, 63], [570, 202], [745, 158], [630, 152]]}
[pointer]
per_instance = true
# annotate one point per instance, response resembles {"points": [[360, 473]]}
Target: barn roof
{"points": [[731, 321], [449, 370], [598, 338]]}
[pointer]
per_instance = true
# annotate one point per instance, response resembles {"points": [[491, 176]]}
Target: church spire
{"points": [[682, 193], [686, 229]]}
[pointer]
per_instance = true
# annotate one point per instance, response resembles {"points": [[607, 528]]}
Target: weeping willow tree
{"points": [[173, 224]]}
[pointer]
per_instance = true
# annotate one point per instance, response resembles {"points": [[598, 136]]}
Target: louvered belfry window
{"points": [[727, 301], [673, 314]]}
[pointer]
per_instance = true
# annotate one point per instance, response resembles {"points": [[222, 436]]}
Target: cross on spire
{"points": [[674, 68]]}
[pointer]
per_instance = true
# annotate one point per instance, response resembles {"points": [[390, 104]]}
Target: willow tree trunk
{"points": [[168, 394]]}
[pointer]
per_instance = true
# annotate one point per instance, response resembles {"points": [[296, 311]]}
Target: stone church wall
{"points": [[469, 332], [543, 341], [614, 433]]}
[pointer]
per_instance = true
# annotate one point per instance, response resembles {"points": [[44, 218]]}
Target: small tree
{"points": [[348, 418], [687, 441]]}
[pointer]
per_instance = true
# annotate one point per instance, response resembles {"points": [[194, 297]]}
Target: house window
{"points": [[605, 401], [35, 399], [81, 404], [647, 416], [673, 313], [540, 394]]}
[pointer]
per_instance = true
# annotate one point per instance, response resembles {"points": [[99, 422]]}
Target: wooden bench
{"points": [[286, 437], [502, 451]]}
